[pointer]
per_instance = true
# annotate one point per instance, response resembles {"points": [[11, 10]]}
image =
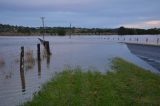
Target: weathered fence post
{"points": [[22, 69], [39, 59], [22, 58], [38, 52], [46, 46]]}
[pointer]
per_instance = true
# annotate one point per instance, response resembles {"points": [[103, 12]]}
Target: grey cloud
{"points": [[87, 13]]}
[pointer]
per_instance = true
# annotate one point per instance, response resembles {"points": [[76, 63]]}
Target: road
{"points": [[148, 53]]}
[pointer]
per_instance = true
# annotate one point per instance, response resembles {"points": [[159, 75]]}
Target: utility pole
{"points": [[70, 31], [42, 18]]}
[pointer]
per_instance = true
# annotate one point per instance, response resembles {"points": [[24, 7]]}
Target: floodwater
{"points": [[87, 52]]}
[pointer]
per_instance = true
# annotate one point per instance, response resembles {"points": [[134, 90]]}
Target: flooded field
{"points": [[87, 52]]}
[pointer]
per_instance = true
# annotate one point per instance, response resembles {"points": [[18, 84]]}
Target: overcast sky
{"points": [[82, 13]]}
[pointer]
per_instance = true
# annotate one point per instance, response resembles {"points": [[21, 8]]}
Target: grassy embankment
{"points": [[127, 85]]}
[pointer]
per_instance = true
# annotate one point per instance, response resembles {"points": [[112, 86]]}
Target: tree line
{"points": [[134, 31], [21, 30]]}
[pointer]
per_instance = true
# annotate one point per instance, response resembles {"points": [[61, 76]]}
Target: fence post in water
{"points": [[22, 58], [38, 52], [146, 40], [22, 69], [39, 59], [157, 41], [137, 39]]}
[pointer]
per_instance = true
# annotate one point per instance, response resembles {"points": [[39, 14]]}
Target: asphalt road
{"points": [[148, 53]]}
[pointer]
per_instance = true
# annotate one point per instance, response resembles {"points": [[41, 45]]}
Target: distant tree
{"points": [[122, 31], [61, 32]]}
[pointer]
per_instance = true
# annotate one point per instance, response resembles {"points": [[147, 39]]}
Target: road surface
{"points": [[148, 53]]}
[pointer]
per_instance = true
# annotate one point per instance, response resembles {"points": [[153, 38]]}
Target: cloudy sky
{"points": [[82, 13]]}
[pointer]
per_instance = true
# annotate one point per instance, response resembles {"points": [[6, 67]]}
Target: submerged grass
{"points": [[128, 85]]}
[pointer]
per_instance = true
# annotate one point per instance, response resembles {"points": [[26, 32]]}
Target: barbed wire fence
{"points": [[154, 40]]}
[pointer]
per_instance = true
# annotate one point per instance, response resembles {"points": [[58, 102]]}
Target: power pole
{"points": [[70, 31], [42, 18]]}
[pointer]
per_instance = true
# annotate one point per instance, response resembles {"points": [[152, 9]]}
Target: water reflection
{"points": [[2, 63], [48, 58], [39, 69], [23, 80]]}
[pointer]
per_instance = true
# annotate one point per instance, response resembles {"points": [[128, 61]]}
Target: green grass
{"points": [[127, 85]]}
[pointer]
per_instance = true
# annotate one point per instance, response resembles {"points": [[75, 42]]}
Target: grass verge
{"points": [[127, 85]]}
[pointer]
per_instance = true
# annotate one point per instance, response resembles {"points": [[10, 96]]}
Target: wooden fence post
{"points": [[22, 58], [38, 52], [22, 69], [39, 59]]}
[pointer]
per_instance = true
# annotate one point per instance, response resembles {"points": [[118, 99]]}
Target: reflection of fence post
{"points": [[38, 52], [22, 69], [46, 44], [39, 69]]}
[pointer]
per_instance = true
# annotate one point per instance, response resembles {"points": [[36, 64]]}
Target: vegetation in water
{"points": [[29, 59]]}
